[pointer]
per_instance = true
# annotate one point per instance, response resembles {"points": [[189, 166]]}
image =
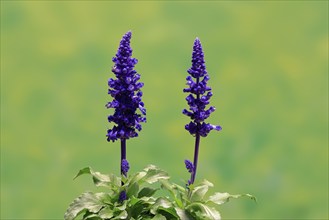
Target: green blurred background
{"points": [[268, 63]]}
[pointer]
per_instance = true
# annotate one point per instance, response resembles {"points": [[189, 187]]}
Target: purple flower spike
{"points": [[189, 166], [124, 167], [126, 94], [199, 95], [198, 99]]}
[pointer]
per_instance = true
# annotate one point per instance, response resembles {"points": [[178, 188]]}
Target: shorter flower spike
{"points": [[198, 99], [124, 167], [122, 196], [189, 166], [200, 94]]}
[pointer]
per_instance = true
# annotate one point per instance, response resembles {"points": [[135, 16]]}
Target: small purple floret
{"points": [[122, 196], [126, 94], [189, 166], [125, 167], [199, 96]]}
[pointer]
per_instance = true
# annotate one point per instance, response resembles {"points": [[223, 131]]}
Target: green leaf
{"points": [[101, 179], [221, 198], [160, 202], [121, 215], [202, 211], [87, 201], [178, 193], [137, 177], [146, 192], [106, 213], [133, 200], [168, 186], [154, 174], [92, 217], [200, 190], [133, 189], [169, 212], [159, 217], [106, 198], [164, 207], [86, 170], [138, 208], [122, 206], [183, 214]]}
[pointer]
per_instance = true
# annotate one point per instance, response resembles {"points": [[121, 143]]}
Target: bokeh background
{"points": [[268, 63]]}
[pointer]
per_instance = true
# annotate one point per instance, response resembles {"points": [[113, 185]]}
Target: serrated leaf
{"points": [[154, 174], [146, 192], [135, 178], [137, 208], [100, 179], [92, 217], [106, 180], [221, 198], [150, 167], [133, 190], [121, 206], [160, 202], [133, 200], [106, 198], [183, 214], [164, 207], [106, 213], [121, 215], [200, 190], [163, 202], [177, 192], [203, 211], [169, 212], [87, 201], [179, 188], [168, 186], [159, 217]]}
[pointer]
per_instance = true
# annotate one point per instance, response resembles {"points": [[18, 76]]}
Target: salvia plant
{"points": [[133, 196]]}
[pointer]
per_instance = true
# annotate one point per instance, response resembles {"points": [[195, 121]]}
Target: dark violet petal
{"points": [[138, 127], [131, 87], [124, 166], [189, 166], [188, 113], [216, 127], [187, 90], [113, 104], [139, 85], [128, 80]]}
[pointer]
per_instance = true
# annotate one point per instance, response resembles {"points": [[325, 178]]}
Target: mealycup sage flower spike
{"points": [[197, 100], [127, 98]]}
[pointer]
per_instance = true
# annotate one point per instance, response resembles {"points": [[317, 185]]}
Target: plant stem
{"points": [[123, 154], [196, 155], [197, 142]]}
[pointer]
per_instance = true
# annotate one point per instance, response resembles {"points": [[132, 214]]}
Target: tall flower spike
{"points": [[127, 98], [126, 94], [197, 100]]}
